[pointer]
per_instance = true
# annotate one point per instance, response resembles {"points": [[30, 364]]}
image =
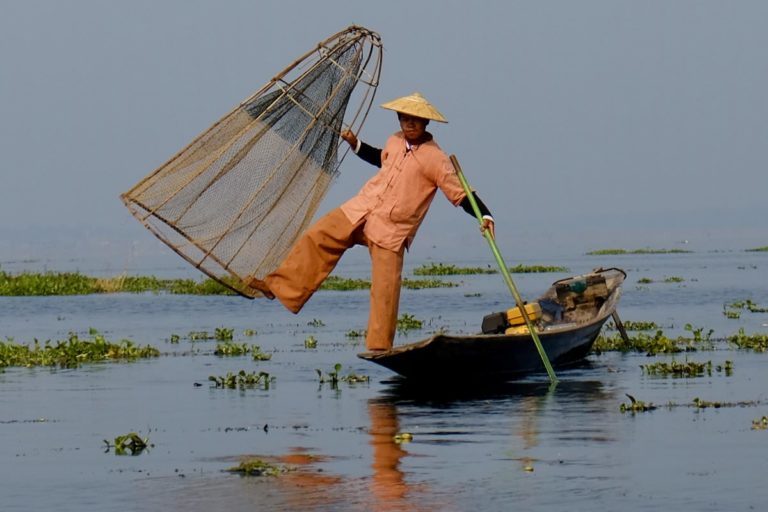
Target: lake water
{"points": [[520, 445]]}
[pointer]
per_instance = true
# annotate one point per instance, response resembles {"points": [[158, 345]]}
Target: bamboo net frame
{"points": [[234, 200]]}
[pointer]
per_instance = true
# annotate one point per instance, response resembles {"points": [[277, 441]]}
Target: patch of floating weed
{"points": [[229, 348], [72, 352], [337, 283], [635, 406], [760, 423], [199, 336], [756, 342], [645, 280], [257, 467], [48, 283], [316, 322], [355, 334], [536, 269], [642, 342], [407, 322], [129, 444], [630, 325], [745, 304], [223, 334], [674, 279], [310, 342], [697, 403], [242, 380], [249, 332], [421, 284], [334, 376], [685, 369], [441, 269], [697, 332], [403, 437], [74, 283], [258, 355], [758, 249], [616, 252]]}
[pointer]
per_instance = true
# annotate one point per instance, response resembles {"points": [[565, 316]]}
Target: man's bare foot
{"points": [[261, 286]]}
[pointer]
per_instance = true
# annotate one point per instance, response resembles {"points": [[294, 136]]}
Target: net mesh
{"points": [[234, 200]]}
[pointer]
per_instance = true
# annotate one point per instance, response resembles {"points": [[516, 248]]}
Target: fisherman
{"points": [[384, 216]]}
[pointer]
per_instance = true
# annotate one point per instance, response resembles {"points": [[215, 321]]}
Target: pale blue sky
{"points": [[583, 124]]}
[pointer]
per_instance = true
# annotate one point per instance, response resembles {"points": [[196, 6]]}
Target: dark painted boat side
{"points": [[494, 357]]}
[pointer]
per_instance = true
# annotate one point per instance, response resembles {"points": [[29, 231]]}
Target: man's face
{"points": [[413, 127]]}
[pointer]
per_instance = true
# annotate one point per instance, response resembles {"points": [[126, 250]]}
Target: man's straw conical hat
{"points": [[415, 105]]}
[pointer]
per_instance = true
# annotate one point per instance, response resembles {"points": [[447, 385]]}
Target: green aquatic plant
{"points": [[223, 334], [536, 269], [72, 352], [229, 348], [199, 336], [422, 284], [616, 252], [334, 376], [642, 342], [645, 280], [74, 283], [407, 322], [756, 342], [760, 423], [257, 467], [258, 355], [402, 437], [355, 334], [129, 444], [746, 304], [674, 279], [316, 322], [698, 337], [337, 283], [249, 332], [686, 368], [630, 325], [441, 269], [48, 283], [242, 380], [635, 405], [310, 342], [758, 249], [705, 404]]}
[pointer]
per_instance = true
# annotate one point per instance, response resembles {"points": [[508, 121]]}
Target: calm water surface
{"points": [[519, 445]]}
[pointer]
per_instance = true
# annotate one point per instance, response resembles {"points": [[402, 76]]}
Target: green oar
{"points": [[505, 272]]}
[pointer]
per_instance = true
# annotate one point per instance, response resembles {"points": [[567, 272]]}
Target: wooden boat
{"points": [[574, 310]]}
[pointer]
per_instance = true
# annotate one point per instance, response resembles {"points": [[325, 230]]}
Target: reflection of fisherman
{"points": [[388, 488], [384, 216]]}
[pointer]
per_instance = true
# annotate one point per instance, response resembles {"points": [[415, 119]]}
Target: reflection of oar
{"points": [[505, 272]]}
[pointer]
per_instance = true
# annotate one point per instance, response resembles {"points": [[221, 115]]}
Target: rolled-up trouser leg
{"points": [[386, 270], [311, 259]]}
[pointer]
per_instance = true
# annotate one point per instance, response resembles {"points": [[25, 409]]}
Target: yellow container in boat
{"points": [[515, 317], [518, 329]]}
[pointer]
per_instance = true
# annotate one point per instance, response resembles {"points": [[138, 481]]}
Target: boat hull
{"points": [[497, 356]]}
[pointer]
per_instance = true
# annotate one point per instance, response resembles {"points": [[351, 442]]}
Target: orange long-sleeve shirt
{"points": [[396, 199]]}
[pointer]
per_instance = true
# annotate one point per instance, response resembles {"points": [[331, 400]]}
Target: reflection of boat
{"points": [[573, 312]]}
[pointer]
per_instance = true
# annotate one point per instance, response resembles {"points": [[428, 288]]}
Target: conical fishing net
{"points": [[234, 200]]}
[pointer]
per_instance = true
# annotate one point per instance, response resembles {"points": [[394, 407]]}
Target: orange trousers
{"points": [[316, 254]]}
